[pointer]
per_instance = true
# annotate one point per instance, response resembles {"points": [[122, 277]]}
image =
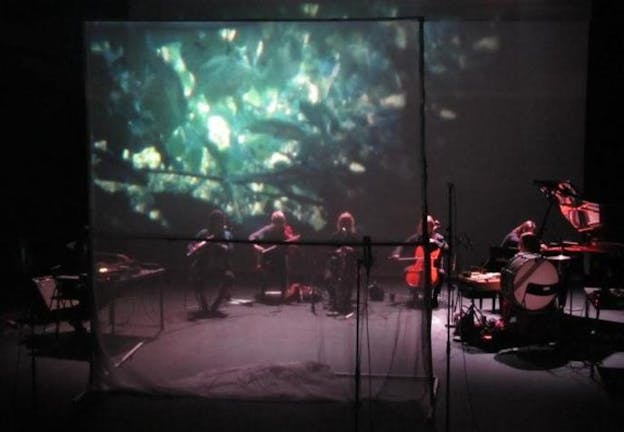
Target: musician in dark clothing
{"points": [[512, 239], [272, 261], [210, 263], [340, 272], [528, 245], [415, 272]]}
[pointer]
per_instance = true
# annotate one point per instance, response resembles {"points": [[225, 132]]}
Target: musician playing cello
{"points": [[414, 273], [273, 259]]}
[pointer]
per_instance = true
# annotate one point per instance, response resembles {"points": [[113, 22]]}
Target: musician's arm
{"points": [[193, 247], [398, 251], [257, 236]]}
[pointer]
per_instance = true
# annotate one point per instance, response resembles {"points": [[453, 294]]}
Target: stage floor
{"points": [[479, 386], [263, 349]]}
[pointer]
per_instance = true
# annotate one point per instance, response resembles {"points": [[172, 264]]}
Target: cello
{"points": [[415, 273]]}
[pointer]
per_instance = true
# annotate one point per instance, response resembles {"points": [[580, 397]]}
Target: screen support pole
{"points": [[450, 280], [428, 362]]}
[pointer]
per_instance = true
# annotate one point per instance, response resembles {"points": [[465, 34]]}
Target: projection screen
{"points": [[311, 119]]}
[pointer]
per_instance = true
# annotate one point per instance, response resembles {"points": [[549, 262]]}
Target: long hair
{"points": [[526, 226]]}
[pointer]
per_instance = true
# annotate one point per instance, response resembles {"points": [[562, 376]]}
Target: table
{"points": [[476, 285], [117, 283]]}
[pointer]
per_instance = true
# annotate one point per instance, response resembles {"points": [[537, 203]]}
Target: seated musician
{"points": [[273, 259], [437, 251], [512, 239], [340, 272], [528, 243], [210, 263]]}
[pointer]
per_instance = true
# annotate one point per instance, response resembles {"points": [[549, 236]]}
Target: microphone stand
{"points": [[356, 411], [426, 343], [367, 260], [551, 202], [449, 281], [26, 276]]}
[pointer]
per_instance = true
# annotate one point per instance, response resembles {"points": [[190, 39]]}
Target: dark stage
{"points": [[135, 122], [498, 384]]}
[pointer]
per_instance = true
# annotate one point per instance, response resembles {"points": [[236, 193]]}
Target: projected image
{"points": [[254, 131], [307, 118], [224, 156]]}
